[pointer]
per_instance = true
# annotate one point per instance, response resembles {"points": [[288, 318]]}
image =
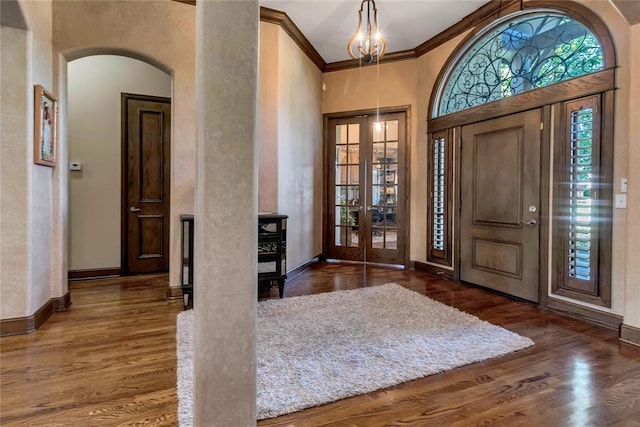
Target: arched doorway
{"points": [[103, 167]]}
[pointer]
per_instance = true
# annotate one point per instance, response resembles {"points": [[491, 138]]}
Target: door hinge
{"points": [[541, 125]]}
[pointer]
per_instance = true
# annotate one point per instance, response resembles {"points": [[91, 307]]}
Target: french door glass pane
{"points": [[354, 133], [341, 154], [346, 186], [384, 185], [392, 130]]}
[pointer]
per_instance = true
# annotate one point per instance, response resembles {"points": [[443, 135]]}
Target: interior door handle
{"points": [[134, 209], [530, 223]]}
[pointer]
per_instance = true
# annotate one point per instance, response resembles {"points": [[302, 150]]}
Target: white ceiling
{"points": [[405, 24]]}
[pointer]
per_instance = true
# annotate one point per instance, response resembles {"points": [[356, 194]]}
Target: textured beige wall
{"points": [[27, 211], [95, 84], [268, 118], [15, 276], [632, 276], [162, 33], [299, 172], [387, 85]]}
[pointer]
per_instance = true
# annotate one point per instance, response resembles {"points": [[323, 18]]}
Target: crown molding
{"points": [[354, 63], [280, 18], [488, 12]]}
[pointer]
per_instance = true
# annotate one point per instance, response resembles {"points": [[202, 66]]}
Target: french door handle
{"points": [[530, 223], [369, 208], [134, 209]]}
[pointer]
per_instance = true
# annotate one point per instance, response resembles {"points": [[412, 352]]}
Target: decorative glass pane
{"points": [[346, 216], [392, 130], [391, 238], [438, 195], [354, 133], [341, 134], [354, 154], [353, 196], [341, 195], [391, 192], [377, 195], [354, 174], [378, 153], [341, 236], [389, 216], [378, 131], [391, 153], [527, 52], [377, 237], [341, 174], [581, 204], [353, 241], [341, 154]]}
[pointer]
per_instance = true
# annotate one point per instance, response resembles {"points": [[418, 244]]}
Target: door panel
{"points": [[365, 219], [500, 191], [146, 183]]}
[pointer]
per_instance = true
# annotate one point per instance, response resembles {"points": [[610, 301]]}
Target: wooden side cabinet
{"points": [[186, 260], [272, 250]]}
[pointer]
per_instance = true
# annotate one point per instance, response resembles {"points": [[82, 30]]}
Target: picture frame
{"points": [[45, 126]]}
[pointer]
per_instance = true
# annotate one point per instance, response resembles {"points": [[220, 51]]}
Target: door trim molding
{"points": [[124, 193]]}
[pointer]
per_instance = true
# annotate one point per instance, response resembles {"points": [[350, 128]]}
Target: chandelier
{"points": [[367, 45]]}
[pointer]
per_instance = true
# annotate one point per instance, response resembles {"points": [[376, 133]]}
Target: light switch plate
{"points": [[75, 166], [621, 201], [623, 185]]}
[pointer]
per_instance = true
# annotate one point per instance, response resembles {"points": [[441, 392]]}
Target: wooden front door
{"points": [[366, 188], [146, 170], [500, 203]]}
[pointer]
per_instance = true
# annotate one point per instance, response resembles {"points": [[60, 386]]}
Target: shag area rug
{"points": [[320, 348]]}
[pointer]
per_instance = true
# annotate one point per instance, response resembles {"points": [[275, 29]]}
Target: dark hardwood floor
{"points": [[110, 361]]}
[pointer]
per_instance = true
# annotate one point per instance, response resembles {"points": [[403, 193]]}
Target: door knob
{"points": [[134, 209], [530, 223]]}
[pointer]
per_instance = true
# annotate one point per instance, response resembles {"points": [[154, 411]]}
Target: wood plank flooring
{"points": [[110, 361]]}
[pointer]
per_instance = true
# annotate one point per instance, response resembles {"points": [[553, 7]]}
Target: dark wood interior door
{"points": [[146, 183], [500, 197], [366, 218]]}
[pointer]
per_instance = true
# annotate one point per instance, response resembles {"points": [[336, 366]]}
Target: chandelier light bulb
{"points": [[368, 46]]}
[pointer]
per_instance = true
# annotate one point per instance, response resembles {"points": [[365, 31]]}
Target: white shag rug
{"points": [[320, 348]]}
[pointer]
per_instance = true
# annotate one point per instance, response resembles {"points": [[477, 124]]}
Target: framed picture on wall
{"points": [[45, 111]]}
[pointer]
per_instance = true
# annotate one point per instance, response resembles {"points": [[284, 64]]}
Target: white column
{"points": [[226, 213]]}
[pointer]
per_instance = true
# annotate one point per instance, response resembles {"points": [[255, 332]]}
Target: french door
{"points": [[366, 188]]}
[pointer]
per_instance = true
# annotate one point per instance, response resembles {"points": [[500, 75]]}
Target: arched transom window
{"points": [[524, 52]]}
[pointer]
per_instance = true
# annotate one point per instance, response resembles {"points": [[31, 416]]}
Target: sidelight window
{"points": [[581, 206], [439, 191], [582, 193]]}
